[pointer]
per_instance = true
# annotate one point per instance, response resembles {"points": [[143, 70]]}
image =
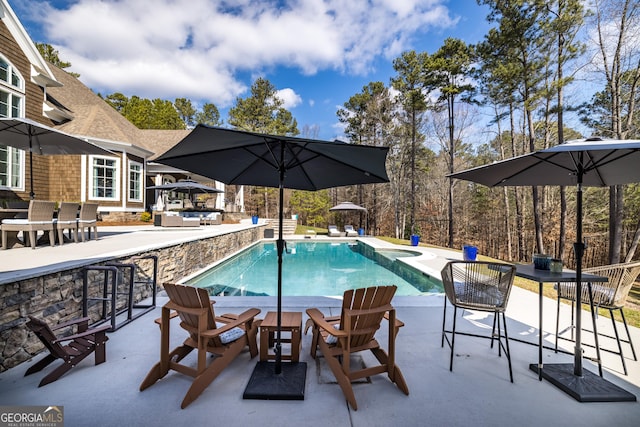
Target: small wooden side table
{"points": [[291, 322]]}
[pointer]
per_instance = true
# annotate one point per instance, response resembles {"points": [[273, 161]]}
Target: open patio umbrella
{"points": [[187, 186], [592, 162], [248, 158], [348, 206], [32, 136]]}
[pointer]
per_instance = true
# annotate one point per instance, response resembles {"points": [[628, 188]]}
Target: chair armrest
{"points": [[399, 323], [319, 320], [92, 331], [172, 314], [241, 320], [82, 322]]}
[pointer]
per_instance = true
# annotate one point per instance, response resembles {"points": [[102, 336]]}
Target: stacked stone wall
{"points": [[57, 297]]}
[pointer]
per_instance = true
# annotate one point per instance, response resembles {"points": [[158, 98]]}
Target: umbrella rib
{"points": [[612, 156]]}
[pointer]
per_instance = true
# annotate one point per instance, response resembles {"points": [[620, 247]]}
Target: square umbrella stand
{"points": [[265, 384]]}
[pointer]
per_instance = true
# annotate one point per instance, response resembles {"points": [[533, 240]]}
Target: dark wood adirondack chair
{"points": [[353, 331], [224, 336], [80, 345]]}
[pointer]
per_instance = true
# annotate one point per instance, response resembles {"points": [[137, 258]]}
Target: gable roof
{"points": [[160, 140], [94, 117], [40, 72]]}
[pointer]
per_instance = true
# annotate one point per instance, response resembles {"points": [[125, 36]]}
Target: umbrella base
{"points": [[587, 388], [267, 385]]}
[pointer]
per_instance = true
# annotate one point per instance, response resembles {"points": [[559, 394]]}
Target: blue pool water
{"points": [[314, 269]]}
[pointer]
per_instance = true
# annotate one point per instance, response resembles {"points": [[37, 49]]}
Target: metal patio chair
{"points": [[611, 295], [479, 286]]}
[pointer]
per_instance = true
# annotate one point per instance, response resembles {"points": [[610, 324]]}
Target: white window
{"points": [[11, 105], [104, 178], [135, 181]]}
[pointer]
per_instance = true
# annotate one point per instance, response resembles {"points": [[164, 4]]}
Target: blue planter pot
{"points": [[469, 253], [254, 219], [415, 239]]}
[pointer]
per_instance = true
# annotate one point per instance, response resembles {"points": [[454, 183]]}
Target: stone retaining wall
{"points": [[57, 297]]}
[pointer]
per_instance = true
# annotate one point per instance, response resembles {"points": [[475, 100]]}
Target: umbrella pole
{"points": [[282, 381], [32, 195], [582, 385], [278, 347], [578, 248]]}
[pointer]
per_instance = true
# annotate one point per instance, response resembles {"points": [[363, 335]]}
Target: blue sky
{"points": [[318, 53]]}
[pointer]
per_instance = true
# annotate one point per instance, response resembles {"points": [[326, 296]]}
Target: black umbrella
{"points": [[248, 158], [186, 186], [32, 136], [592, 162]]}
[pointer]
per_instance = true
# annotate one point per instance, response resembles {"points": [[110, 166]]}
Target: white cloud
{"points": [[290, 98], [199, 49]]}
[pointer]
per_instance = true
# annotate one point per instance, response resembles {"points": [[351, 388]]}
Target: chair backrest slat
{"points": [[191, 297], [46, 336], [68, 211], [40, 210], [613, 293], [88, 211], [363, 327]]}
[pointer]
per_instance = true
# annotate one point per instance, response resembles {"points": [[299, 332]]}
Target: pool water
{"points": [[314, 269]]}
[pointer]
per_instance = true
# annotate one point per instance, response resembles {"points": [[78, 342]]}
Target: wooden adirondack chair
{"points": [[81, 344], [354, 331], [225, 337]]}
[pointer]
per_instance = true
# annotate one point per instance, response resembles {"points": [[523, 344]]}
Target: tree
{"points": [[209, 115], [616, 23], [118, 101], [145, 113], [410, 83], [53, 56], [368, 117], [448, 72], [518, 42], [568, 18], [262, 112], [186, 112]]}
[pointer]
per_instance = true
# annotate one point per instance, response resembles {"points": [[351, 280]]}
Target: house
{"points": [[33, 88]]}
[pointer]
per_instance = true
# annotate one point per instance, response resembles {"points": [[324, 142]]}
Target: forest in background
{"points": [[464, 106]]}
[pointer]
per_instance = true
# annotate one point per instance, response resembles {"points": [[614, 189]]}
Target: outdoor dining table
{"points": [[527, 271]]}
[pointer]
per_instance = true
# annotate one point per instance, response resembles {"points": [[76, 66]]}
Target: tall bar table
{"points": [[527, 271]]}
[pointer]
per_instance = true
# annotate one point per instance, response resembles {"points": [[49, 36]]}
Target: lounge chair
{"points": [[67, 220], [88, 219], [81, 344], [225, 337], [39, 218], [610, 295], [187, 204], [354, 331], [479, 286], [350, 231], [333, 231]]}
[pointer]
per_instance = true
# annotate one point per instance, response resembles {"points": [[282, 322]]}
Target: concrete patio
{"points": [[477, 392]]}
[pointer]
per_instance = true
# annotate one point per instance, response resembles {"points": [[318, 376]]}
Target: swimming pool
{"points": [[314, 269]]}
